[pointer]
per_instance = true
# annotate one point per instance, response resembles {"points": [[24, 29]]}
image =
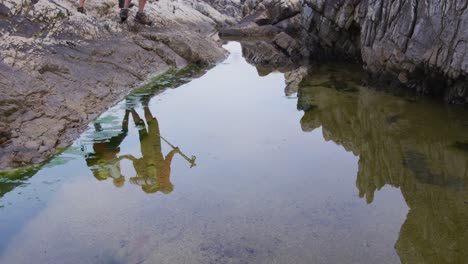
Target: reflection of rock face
{"points": [[422, 44], [268, 56], [293, 79], [408, 145], [264, 55]]}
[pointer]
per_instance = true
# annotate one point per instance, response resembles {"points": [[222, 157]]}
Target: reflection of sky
{"points": [[262, 189]]}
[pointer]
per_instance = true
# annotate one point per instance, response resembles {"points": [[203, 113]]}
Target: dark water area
{"points": [[228, 169]]}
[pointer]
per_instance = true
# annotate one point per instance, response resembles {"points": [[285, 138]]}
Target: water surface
{"points": [[227, 169]]}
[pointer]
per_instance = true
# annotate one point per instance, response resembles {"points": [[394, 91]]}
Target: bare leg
{"points": [[127, 3], [148, 115], [141, 16], [81, 8], [124, 10], [125, 121], [141, 6], [136, 119]]}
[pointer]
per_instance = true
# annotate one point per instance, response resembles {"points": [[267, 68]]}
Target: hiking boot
{"points": [[81, 10], [123, 14], [142, 19]]}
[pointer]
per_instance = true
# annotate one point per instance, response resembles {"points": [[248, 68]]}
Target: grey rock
{"points": [[60, 69], [423, 44], [250, 31]]}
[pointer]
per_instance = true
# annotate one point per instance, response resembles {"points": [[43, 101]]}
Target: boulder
{"points": [[287, 44]]}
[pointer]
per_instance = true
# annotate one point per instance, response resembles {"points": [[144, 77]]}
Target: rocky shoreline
{"points": [[60, 69]]}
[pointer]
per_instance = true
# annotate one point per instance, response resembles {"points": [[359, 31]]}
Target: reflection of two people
{"points": [[153, 170]]}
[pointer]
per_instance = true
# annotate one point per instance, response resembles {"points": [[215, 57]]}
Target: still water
{"points": [[227, 169]]}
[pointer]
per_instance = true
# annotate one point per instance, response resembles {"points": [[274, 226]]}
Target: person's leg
{"points": [[148, 114], [136, 119], [81, 8], [154, 133], [127, 3], [141, 6], [125, 121], [122, 4], [140, 124], [124, 11], [141, 16]]}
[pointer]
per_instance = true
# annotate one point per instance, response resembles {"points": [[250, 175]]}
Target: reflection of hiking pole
{"points": [[190, 160]]}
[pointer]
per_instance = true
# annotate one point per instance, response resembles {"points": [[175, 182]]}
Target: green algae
{"points": [[9, 180], [172, 78]]}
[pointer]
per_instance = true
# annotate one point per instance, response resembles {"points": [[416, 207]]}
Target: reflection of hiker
{"points": [[153, 170], [104, 162], [140, 17]]}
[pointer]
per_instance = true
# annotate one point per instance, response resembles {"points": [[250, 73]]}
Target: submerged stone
{"points": [[461, 145], [392, 119]]}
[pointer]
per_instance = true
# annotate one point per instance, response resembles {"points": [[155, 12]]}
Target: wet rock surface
{"points": [[60, 69], [420, 45]]}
